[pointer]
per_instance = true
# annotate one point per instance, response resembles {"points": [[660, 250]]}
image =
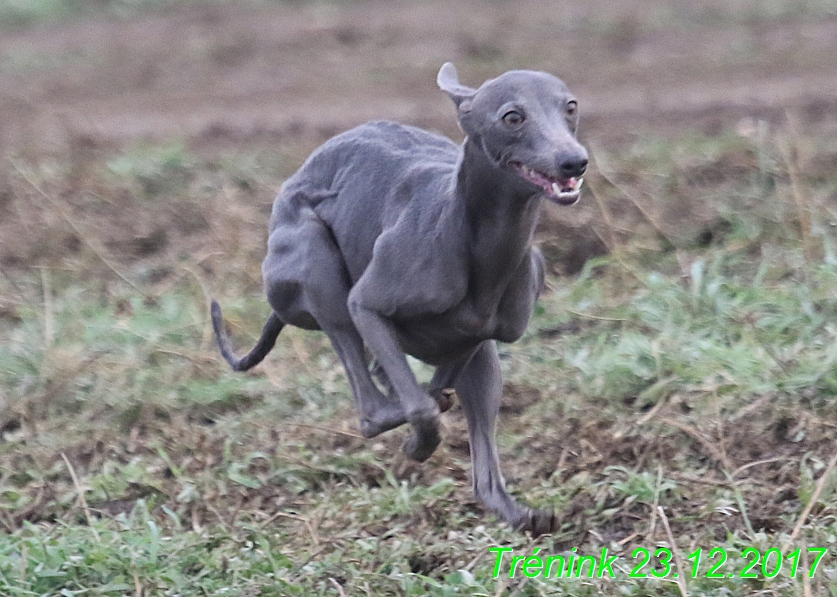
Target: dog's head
{"points": [[525, 122]]}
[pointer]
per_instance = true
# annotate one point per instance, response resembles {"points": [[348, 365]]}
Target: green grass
{"points": [[19, 13], [691, 369], [15, 14]]}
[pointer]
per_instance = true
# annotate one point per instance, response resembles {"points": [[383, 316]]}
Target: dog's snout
{"points": [[573, 167]]}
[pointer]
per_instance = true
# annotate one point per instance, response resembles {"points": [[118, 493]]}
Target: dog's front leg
{"points": [[480, 387], [421, 409]]}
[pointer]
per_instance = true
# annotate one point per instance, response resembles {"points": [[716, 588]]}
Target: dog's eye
{"points": [[513, 118], [571, 109]]}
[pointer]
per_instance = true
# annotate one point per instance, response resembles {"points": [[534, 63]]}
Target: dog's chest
{"points": [[486, 313], [440, 338], [502, 321]]}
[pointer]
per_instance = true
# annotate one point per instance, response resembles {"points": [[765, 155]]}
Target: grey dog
{"points": [[396, 241]]}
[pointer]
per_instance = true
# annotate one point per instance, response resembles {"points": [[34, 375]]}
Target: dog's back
{"points": [[362, 181]]}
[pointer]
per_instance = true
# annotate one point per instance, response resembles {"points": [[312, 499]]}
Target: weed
{"points": [[693, 377]]}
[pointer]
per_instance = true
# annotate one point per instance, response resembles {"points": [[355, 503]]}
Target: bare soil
{"points": [[229, 77], [244, 71]]}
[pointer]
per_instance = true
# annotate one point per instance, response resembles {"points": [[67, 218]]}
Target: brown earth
{"points": [[246, 70], [227, 77]]}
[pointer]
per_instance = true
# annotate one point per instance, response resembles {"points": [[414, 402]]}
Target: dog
{"points": [[395, 241]]}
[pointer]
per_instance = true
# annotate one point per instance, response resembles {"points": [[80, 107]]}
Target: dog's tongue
{"points": [[559, 190]]}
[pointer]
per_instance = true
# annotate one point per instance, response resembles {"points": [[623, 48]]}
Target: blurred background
{"points": [[118, 71], [275, 79], [683, 357]]}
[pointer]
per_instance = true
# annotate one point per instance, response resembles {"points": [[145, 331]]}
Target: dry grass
{"points": [[642, 401]]}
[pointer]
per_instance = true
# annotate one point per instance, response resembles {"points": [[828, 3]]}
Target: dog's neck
{"points": [[501, 213]]}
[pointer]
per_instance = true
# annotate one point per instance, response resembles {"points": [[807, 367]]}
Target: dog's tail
{"points": [[265, 344]]}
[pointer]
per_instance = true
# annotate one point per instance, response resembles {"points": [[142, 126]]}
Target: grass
{"points": [[16, 14], [678, 393], [22, 13]]}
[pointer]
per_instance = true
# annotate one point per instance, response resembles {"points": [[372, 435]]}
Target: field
{"points": [[676, 389]]}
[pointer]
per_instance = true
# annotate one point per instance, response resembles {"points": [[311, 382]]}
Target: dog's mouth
{"points": [[563, 191]]}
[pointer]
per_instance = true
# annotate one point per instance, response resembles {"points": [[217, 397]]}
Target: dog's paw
{"points": [[443, 397], [424, 439], [420, 449], [538, 522], [385, 418], [370, 429]]}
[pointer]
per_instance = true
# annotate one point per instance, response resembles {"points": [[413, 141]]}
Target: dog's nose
{"points": [[573, 167]]}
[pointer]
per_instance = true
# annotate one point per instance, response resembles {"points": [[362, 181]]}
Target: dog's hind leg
{"points": [[480, 386], [440, 387], [421, 409], [307, 285], [378, 413]]}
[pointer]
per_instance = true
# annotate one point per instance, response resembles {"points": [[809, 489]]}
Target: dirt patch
{"points": [[245, 71], [288, 76]]}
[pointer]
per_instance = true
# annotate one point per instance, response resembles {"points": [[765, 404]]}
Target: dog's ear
{"points": [[448, 82]]}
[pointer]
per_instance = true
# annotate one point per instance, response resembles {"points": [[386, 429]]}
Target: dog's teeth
{"points": [[580, 182], [556, 189]]}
